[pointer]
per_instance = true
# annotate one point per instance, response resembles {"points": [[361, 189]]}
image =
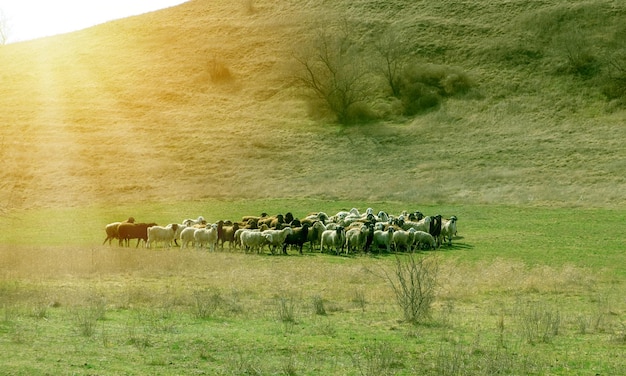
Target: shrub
{"points": [[330, 68], [423, 86], [414, 281]]}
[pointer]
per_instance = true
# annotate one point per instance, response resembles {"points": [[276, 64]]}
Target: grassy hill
{"points": [[199, 101]]}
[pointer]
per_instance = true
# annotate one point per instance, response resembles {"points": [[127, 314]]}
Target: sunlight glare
{"points": [[30, 19]]}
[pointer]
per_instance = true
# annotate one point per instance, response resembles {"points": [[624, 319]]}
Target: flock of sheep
{"points": [[346, 231]]}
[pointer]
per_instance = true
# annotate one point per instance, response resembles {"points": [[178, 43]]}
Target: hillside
{"points": [[136, 110]]}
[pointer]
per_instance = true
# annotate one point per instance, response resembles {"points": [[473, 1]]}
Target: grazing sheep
{"points": [[139, 231], [162, 234], [111, 230], [422, 239], [448, 229], [333, 239], [383, 238], [252, 240], [298, 237], [206, 237], [277, 237]]}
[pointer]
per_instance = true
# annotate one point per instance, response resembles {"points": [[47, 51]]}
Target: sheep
{"points": [[206, 237], [422, 238], [298, 237], [162, 234], [187, 236], [253, 240], [226, 233], [356, 238], [435, 228], [139, 231], [383, 238], [402, 239], [333, 239], [421, 225], [277, 237], [315, 234], [111, 230], [448, 228], [190, 222]]}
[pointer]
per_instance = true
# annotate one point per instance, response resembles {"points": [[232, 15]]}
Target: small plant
{"points": [[414, 283], [285, 309], [359, 299], [376, 359], [206, 303], [318, 305], [539, 324]]}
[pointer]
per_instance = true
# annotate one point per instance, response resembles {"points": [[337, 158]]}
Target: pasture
{"points": [[522, 290]]}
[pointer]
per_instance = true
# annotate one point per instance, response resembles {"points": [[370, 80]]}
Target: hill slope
{"points": [[129, 111]]}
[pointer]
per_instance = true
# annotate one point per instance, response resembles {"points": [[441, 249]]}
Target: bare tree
{"points": [[394, 52], [331, 68]]}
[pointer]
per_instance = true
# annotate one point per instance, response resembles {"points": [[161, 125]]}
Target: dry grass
{"points": [[197, 101]]}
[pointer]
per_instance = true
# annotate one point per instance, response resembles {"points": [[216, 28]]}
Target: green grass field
{"points": [[522, 290], [195, 110]]}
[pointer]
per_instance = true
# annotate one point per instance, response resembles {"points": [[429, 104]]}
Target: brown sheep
{"points": [[139, 231], [111, 230]]}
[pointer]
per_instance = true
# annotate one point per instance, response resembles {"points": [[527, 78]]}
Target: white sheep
{"points": [[333, 239], [448, 229], [421, 225], [162, 234], [191, 222], [356, 238], [383, 238], [254, 240], [403, 240], [277, 237], [424, 238], [187, 236], [206, 237]]}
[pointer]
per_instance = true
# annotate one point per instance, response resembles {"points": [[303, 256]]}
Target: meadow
{"points": [[520, 291], [199, 110]]}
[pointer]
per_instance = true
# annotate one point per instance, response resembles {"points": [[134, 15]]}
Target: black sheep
{"points": [[298, 237]]}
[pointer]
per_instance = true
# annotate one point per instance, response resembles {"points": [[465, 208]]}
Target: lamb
{"points": [[422, 238], [383, 238], [298, 237], [111, 230], [448, 229], [206, 237], [333, 239], [162, 234], [277, 237], [139, 231]]}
